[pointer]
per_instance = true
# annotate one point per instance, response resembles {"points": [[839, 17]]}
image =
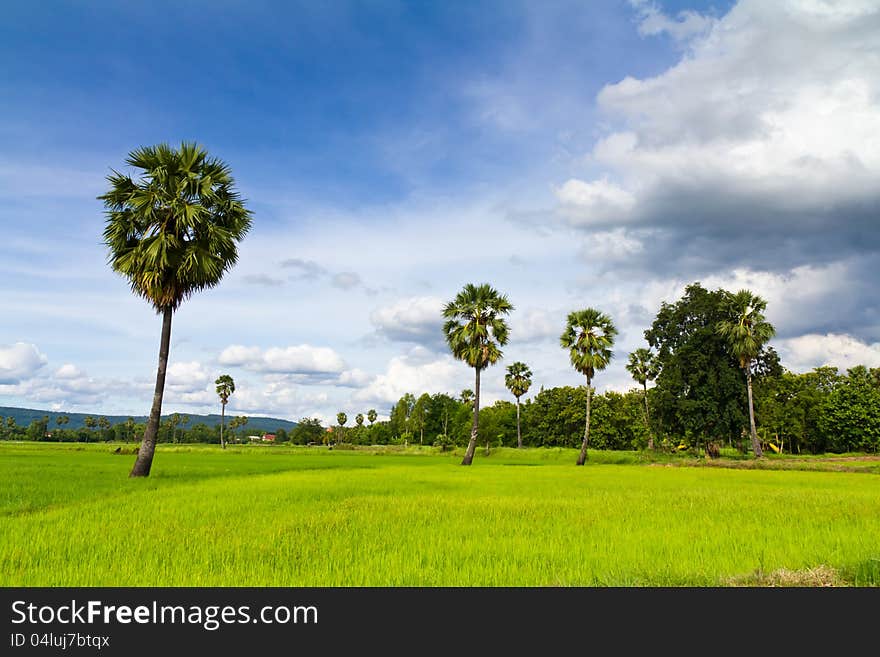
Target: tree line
{"points": [[173, 231]]}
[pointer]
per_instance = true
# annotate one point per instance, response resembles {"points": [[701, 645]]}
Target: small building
{"points": [[268, 437]]}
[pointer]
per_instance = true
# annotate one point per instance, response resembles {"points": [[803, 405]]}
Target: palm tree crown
{"points": [[173, 231], [518, 379], [747, 330], [225, 387], [474, 326], [589, 337], [642, 366]]}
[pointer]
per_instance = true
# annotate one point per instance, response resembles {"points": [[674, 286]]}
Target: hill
{"points": [[24, 416]]}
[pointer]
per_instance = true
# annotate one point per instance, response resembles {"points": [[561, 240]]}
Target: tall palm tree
{"points": [[359, 420], [644, 367], [341, 419], [372, 415], [518, 380], [746, 332], [475, 330], [589, 337], [172, 232], [225, 388]]}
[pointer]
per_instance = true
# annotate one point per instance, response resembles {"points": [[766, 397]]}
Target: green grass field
{"points": [[261, 516]]}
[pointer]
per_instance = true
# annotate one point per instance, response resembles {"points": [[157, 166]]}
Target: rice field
{"points": [[259, 516]]}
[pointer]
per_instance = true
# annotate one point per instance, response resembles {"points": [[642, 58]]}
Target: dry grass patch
{"points": [[824, 576]]}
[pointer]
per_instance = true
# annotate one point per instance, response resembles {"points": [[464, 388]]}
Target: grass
{"points": [[270, 516]]}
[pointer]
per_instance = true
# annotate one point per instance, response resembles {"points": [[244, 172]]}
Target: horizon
{"points": [[393, 153]]}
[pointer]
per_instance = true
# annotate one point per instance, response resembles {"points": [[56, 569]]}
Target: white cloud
{"points": [[597, 202], [68, 371], [300, 359], [412, 374], [803, 353], [769, 126], [20, 361], [187, 378], [415, 319], [535, 324]]}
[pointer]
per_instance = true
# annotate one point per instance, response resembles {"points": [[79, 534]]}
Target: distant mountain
{"points": [[24, 416]]}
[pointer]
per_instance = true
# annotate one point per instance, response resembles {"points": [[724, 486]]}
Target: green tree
{"points": [[475, 331], [849, 417], [176, 419], [306, 431], [372, 415], [746, 332], [588, 336], [129, 428], [518, 380], [341, 419], [105, 425], [225, 388], [61, 420], [643, 368], [172, 232], [419, 415], [90, 423], [699, 395]]}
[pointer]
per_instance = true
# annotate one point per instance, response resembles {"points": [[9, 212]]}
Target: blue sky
{"points": [[569, 153]]}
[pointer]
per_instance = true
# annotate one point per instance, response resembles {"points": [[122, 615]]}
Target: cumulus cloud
{"points": [[299, 359], [760, 147], [416, 319], [535, 324], [805, 352], [68, 371], [411, 373], [20, 361]]}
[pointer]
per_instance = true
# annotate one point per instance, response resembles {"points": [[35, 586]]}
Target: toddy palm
{"points": [[172, 231], [475, 330], [589, 337]]}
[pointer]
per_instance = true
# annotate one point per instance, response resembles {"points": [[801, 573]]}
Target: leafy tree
{"points": [[699, 393], [225, 388], [475, 331], [175, 422], [518, 380], [418, 415], [467, 397], [372, 415], [306, 431], [589, 336], [172, 232], [849, 417], [643, 368], [90, 423], [129, 428], [746, 332]]}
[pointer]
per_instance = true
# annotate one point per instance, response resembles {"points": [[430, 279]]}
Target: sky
{"points": [[571, 154]]}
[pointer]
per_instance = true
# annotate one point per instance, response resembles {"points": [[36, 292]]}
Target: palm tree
{"points": [[589, 336], [644, 367], [372, 415], [341, 419], [359, 420], [746, 332], [129, 426], [467, 397], [172, 232], [475, 330], [518, 380], [225, 387]]}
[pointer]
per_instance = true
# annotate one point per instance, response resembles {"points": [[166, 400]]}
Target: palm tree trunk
{"points": [[583, 455], [648, 418], [472, 445], [148, 446], [518, 432], [222, 423], [756, 446]]}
